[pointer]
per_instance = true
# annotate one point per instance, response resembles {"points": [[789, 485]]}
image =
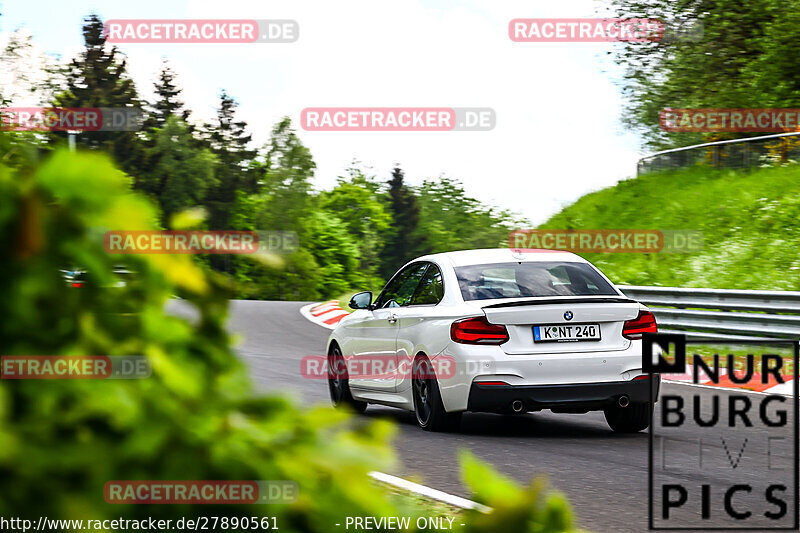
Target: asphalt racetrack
{"points": [[605, 475]]}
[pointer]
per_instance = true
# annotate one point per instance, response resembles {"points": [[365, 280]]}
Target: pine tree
{"points": [[167, 106], [168, 101], [235, 171], [98, 78], [405, 242]]}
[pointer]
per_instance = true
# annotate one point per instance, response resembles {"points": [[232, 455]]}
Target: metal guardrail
{"points": [[744, 153], [719, 314]]}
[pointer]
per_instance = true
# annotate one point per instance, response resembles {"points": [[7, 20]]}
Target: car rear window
{"points": [[519, 280]]}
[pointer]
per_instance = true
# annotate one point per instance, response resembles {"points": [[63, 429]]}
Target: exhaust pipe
{"points": [[517, 406], [623, 401]]}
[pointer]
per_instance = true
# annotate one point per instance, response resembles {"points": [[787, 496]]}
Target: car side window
{"points": [[431, 288], [399, 291]]}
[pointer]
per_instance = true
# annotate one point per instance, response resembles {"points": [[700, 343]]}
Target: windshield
{"points": [[519, 280]]}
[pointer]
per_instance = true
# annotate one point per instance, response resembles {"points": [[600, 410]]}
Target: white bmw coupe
{"points": [[496, 330]]}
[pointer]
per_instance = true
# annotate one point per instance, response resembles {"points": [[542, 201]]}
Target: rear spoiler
{"points": [[548, 301]]}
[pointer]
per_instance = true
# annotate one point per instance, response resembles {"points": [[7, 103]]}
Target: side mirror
{"points": [[361, 300]]}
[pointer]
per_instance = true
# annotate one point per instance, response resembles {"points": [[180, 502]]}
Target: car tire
{"points": [[630, 419], [339, 384], [428, 407]]}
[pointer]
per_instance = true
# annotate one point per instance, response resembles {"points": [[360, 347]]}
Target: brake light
{"points": [[77, 284], [491, 383], [644, 323], [478, 330]]}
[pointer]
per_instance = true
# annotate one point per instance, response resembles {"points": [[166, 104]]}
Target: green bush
{"points": [[196, 417]]}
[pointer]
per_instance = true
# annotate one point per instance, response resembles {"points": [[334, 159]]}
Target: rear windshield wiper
{"points": [[576, 300]]}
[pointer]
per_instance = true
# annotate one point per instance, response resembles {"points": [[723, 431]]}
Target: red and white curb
{"points": [[754, 385], [325, 314]]}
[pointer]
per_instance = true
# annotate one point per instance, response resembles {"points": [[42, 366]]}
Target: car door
{"points": [[373, 346], [413, 321]]}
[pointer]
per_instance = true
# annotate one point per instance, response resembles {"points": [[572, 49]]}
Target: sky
{"points": [[558, 133]]}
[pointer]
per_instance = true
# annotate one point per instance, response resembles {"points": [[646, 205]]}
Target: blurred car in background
{"points": [[76, 277]]}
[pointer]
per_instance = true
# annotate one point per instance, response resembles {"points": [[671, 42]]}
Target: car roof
{"points": [[502, 255]]}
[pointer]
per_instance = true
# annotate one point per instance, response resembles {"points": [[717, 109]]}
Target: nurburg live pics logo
{"points": [[722, 458]]}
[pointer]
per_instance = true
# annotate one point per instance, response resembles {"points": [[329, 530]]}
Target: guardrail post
{"points": [[746, 156]]}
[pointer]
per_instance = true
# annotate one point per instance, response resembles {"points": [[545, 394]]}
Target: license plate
{"points": [[566, 333]]}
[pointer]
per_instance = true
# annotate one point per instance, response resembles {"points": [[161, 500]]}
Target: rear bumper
{"points": [[580, 397]]}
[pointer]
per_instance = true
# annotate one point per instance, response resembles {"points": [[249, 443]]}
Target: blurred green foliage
{"points": [[514, 508], [196, 417]]}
